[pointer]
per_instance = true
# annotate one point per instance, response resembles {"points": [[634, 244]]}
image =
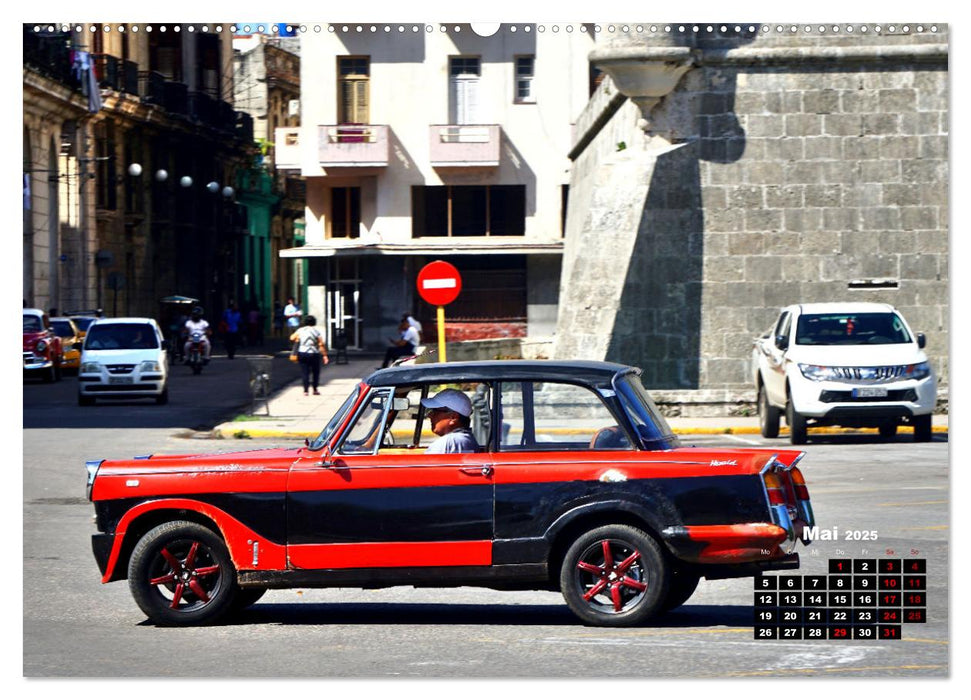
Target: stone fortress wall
{"points": [[718, 176]]}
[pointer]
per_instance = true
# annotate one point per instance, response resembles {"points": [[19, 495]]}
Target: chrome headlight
{"points": [[90, 367], [92, 467], [818, 373], [149, 366], [41, 346]]}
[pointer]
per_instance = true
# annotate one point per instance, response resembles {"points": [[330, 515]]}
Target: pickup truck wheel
{"points": [[922, 428], [614, 576], [681, 588], [797, 425], [181, 574], [768, 416], [887, 430]]}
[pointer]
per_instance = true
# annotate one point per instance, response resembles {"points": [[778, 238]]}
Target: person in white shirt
{"points": [[198, 323], [292, 313], [404, 345]]}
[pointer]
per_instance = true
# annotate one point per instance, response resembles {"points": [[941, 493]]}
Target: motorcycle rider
{"points": [[198, 323]]}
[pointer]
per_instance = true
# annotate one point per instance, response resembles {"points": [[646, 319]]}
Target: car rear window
{"points": [[121, 336], [851, 329], [62, 328]]}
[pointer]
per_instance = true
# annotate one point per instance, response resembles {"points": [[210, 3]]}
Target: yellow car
{"points": [[71, 339]]}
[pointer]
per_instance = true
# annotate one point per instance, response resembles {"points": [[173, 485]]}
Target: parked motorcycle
{"points": [[196, 358]]}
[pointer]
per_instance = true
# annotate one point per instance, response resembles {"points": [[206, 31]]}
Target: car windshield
{"points": [[83, 322], [121, 336], [335, 422], [653, 430], [32, 324], [62, 328], [882, 328]]}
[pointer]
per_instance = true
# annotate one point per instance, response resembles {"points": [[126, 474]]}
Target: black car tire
{"points": [[246, 597], [85, 400], [681, 587], [180, 574], [887, 430], [922, 428], [768, 415], [614, 576], [797, 425], [163, 398]]}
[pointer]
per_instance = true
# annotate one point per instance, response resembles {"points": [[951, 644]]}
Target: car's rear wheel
{"points": [[681, 587], [180, 574], [798, 432], [922, 428], [768, 415], [614, 576]]}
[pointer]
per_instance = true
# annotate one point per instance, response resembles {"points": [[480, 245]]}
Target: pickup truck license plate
{"points": [[120, 380], [870, 392]]}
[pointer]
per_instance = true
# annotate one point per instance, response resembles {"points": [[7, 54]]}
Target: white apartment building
{"points": [[430, 142]]}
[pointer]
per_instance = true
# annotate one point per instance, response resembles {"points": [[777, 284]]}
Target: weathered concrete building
{"points": [[722, 172]]}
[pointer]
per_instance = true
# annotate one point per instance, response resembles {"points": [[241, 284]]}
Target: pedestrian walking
{"points": [[311, 351], [229, 327]]}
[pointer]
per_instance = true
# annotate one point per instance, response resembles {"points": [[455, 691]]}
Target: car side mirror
{"points": [[782, 342], [921, 340]]}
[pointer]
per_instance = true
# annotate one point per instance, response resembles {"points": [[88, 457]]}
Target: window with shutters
{"points": [[353, 99], [463, 102], [468, 210]]}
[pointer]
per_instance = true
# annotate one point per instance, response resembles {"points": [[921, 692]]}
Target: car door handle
{"points": [[484, 471]]}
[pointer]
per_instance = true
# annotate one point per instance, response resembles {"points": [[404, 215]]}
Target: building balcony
{"points": [[353, 146], [464, 145]]}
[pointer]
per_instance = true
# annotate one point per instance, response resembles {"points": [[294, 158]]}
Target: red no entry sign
{"points": [[439, 283]]}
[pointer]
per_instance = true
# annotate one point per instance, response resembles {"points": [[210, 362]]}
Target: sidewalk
{"points": [[295, 416]]}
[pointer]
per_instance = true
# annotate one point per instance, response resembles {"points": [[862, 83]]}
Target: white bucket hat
{"points": [[452, 399]]}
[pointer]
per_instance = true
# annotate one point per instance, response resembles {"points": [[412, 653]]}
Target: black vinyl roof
{"points": [[574, 371]]}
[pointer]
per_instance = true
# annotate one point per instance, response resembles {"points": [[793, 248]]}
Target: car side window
{"points": [[366, 433], [557, 416], [783, 326]]}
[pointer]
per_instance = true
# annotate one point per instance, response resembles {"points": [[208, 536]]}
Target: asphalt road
{"points": [[73, 626]]}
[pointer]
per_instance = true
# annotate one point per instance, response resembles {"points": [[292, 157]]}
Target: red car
{"points": [[43, 354], [569, 480]]}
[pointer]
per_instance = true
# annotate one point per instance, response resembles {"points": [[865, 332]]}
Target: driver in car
{"points": [[450, 416]]}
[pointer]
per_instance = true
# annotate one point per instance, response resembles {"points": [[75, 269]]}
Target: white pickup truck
{"points": [[852, 364]]}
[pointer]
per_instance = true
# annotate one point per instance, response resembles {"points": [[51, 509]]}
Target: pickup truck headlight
{"points": [[90, 367], [149, 366], [818, 373], [918, 371]]}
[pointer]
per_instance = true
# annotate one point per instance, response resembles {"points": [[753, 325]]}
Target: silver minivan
{"points": [[123, 358]]}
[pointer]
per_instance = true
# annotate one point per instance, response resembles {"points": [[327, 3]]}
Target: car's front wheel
{"points": [[798, 431], [922, 428], [614, 576], [181, 574], [768, 415]]}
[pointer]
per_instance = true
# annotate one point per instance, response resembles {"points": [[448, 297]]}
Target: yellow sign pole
{"points": [[441, 334]]}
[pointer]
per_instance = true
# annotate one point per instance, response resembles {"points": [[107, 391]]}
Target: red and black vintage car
{"points": [[577, 485]]}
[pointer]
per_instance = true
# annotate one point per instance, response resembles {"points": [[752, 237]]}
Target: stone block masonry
{"points": [[782, 168]]}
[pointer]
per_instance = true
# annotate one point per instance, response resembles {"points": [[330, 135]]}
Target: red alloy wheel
{"points": [[611, 575], [180, 573], [188, 577]]}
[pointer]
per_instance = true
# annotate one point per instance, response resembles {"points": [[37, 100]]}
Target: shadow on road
{"points": [[367, 614]]}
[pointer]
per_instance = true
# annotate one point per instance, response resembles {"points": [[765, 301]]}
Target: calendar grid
{"points": [[868, 599]]}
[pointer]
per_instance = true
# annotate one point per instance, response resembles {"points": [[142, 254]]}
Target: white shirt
{"points": [[410, 336], [292, 314], [200, 325]]}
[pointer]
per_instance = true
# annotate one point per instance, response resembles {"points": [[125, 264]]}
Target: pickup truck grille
{"points": [[872, 374]]}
